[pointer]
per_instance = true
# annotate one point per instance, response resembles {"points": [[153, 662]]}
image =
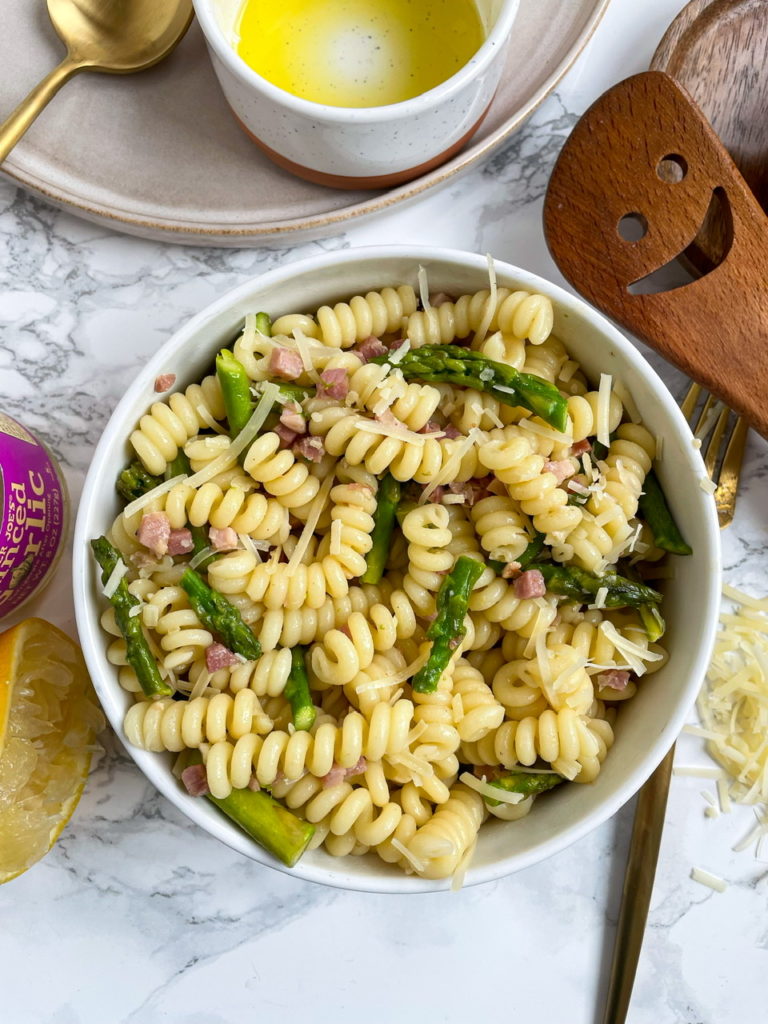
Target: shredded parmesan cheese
{"points": [[146, 499], [209, 421], [249, 544], [318, 505], [423, 288], [337, 528], [418, 865], [633, 654], [200, 686], [201, 557], [604, 409], [489, 792], [240, 443], [397, 430], [707, 485], [113, 582], [708, 879], [452, 465], [600, 596], [398, 355], [490, 306]]}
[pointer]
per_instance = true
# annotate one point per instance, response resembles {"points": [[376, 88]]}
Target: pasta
{"points": [[334, 527]]}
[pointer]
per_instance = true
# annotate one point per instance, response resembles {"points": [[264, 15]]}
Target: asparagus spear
{"points": [[524, 560], [451, 364], [297, 693], [180, 465], [139, 656], [655, 511], [264, 324], [296, 392], [447, 629], [135, 481], [264, 819], [651, 617], [217, 614], [580, 585], [387, 500], [235, 389], [527, 783]]}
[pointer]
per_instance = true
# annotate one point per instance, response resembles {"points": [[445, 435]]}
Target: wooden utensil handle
{"points": [[614, 165]]}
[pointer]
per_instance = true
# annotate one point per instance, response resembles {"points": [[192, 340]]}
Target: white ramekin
{"points": [[358, 147], [650, 722]]}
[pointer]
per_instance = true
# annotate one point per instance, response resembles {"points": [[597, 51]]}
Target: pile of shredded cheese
{"points": [[733, 710]]}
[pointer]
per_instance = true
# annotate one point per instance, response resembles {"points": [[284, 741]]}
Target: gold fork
{"points": [[723, 450]]}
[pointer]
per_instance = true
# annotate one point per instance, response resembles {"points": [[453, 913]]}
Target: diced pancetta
{"points": [[217, 656], [223, 540], [530, 584], [154, 532], [180, 542], [164, 382], [195, 780], [333, 384], [285, 363]]}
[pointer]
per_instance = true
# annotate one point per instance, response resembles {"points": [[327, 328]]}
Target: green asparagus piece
{"points": [[265, 820], [297, 693], [296, 392], [525, 559], [447, 629], [135, 481], [235, 389], [217, 614], [137, 651], [387, 500], [264, 324], [580, 585], [655, 511], [451, 364], [201, 542], [178, 467], [527, 783], [650, 615]]}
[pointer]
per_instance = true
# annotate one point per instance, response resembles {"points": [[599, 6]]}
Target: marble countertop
{"points": [[136, 915]]}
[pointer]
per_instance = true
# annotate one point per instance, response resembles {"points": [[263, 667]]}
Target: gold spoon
{"points": [[113, 36]]}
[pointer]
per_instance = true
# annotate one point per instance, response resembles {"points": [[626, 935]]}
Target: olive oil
{"points": [[358, 53]]}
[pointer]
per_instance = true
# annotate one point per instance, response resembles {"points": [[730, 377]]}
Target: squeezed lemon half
{"points": [[48, 722]]}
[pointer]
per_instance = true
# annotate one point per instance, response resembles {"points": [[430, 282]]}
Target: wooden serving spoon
{"points": [[114, 36], [633, 186]]}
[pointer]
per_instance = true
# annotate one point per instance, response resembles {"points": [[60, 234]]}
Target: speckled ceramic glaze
{"points": [[361, 146]]}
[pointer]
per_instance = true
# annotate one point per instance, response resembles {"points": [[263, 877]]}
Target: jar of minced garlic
{"points": [[33, 515]]}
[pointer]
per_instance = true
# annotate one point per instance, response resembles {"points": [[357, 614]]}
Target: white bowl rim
{"points": [[425, 101], [91, 635]]}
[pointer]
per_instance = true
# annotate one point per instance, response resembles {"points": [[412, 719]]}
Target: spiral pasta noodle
{"points": [[169, 425], [519, 313]]}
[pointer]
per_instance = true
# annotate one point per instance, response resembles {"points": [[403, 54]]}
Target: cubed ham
{"points": [[614, 679], [292, 418], [452, 432], [530, 584], [489, 772], [286, 435], [439, 299], [154, 532], [337, 774], [581, 447], [223, 540], [311, 448], [285, 363], [511, 571], [437, 494], [164, 382], [180, 542], [333, 384], [431, 427], [217, 656], [370, 349], [561, 469], [473, 490], [195, 780], [253, 784]]}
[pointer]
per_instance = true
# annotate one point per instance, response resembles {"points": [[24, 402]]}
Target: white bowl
{"points": [[358, 147], [646, 727]]}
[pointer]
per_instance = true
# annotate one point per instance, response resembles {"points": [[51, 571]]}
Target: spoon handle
{"points": [[17, 123]]}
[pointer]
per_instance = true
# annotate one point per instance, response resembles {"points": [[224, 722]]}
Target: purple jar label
{"points": [[31, 514]]}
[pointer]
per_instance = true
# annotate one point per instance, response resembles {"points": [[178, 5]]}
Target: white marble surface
{"points": [[138, 916]]}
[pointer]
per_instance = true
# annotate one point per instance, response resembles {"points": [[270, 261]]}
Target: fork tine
{"points": [[715, 439], [688, 404], [728, 484]]}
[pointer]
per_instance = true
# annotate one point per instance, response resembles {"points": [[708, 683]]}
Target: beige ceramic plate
{"points": [[158, 154]]}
